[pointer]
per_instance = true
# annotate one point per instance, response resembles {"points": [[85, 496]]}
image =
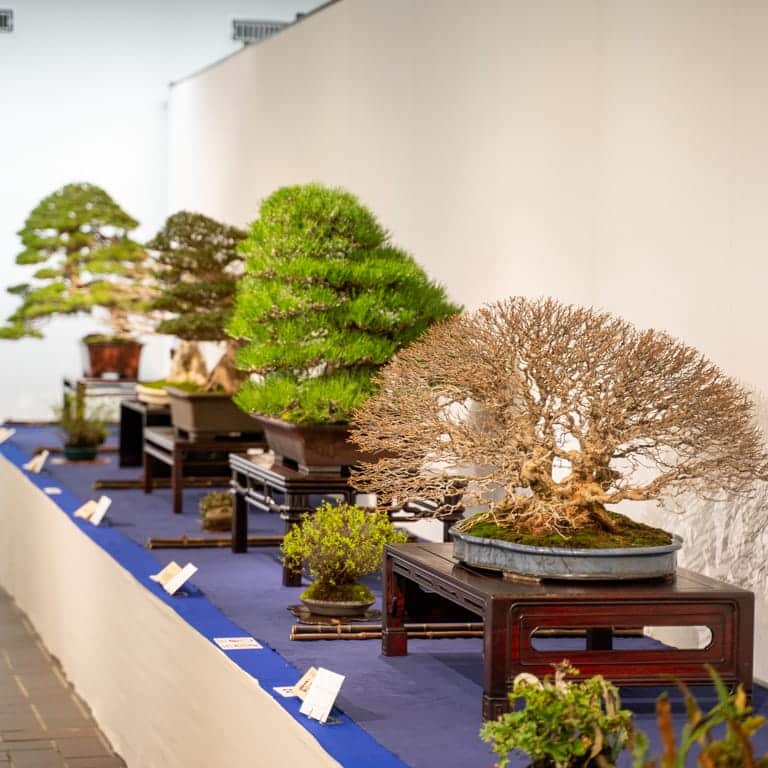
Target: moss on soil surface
{"points": [[340, 593], [628, 533]]}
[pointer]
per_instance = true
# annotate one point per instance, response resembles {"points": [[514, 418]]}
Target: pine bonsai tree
{"points": [[77, 238], [199, 265], [325, 301]]}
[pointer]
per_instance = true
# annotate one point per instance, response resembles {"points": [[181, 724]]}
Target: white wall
{"points": [[84, 89], [609, 152]]}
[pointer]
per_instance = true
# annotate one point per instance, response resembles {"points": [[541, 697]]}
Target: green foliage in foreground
{"points": [[326, 300], [337, 545], [564, 723]]}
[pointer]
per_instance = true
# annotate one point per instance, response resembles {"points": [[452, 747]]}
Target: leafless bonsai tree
{"points": [[547, 413]]}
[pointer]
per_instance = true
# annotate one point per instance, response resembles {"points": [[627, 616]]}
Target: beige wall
{"points": [[602, 152]]}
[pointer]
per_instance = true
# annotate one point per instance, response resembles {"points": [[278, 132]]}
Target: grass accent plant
{"points": [[325, 301]]}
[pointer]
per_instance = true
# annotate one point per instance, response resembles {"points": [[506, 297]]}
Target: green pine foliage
{"points": [[199, 265], [325, 301], [77, 241]]}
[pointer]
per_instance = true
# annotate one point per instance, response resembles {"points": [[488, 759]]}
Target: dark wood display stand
{"points": [[277, 488], [135, 417], [512, 611], [206, 457]]}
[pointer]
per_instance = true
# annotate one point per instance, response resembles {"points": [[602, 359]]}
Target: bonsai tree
{"points": [[563, 723], [77, 241], [199, 266], [325, 301], [551, 413], [337, 545]]}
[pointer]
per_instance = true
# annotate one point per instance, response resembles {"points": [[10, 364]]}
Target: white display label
{"points": [[173, 576], [6, 434], [322, 694], [237, 643], [100, 510]]}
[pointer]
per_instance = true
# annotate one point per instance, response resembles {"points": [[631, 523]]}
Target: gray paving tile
{"points": [[111, 761]]}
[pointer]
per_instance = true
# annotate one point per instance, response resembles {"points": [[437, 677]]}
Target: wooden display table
{"points": [[276, 488], [207, 458], [135, 417], [513, 610]]}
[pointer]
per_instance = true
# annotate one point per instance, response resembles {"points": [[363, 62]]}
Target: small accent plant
{"points": [[564, 723], [325, 301], [337, 545], [733, 749], [80, 430], [216, 511]]}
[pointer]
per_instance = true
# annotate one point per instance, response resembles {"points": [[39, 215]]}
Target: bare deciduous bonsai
{"points": [[197, 279], [77, 239], [549, 414]]}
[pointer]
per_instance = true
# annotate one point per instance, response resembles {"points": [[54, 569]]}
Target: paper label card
{"points": [[52, 490], [37, 462], [6, 434], [173, 576], [322, 694], [102, 505], [237, 643], [86, 510], [301, 688]]}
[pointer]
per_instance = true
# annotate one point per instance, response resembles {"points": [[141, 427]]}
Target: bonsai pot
{"points": [[562, 563], [154, 396], [199, 413], [311, 447], [337, 608], [80, 452], [113, 358]]}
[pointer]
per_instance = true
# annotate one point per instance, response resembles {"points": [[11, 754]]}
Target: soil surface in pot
{"points": [[627, 534]]}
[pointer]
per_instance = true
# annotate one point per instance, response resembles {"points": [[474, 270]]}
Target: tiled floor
{"points": [[43, 723]]}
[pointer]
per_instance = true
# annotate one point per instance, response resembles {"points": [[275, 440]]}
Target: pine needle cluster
{"points": [[199, 265], [325, 301]]}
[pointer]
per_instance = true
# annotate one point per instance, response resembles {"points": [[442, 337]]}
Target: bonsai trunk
{"points": [[225, 375], [188, 364]]}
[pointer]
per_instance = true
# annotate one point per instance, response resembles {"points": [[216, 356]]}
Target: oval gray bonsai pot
{"points": [[563, 563], [337, 607]]}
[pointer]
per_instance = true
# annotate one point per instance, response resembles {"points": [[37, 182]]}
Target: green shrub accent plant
{"points": [[337, 545], [325, 301], [199, 265], [77, 241], [733, 749], [79, 429], [564, 723]]}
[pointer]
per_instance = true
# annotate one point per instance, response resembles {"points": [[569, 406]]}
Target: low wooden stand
{"points": [[135, 417], [207, 457], [425, 576], [276, 488]]}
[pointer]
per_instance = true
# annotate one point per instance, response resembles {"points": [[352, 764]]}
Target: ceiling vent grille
{"points": [[250, 31], [6, 20]]}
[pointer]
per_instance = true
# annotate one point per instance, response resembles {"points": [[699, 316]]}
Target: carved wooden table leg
{"points": [[177, 483], [495, 640], [147, 462], [239, 522], [394, 640]]}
